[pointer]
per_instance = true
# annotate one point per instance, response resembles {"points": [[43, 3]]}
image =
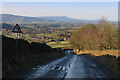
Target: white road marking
{"points": [[53, 67], [65, 67], [40, 67], [59, 68], [44, 67]]}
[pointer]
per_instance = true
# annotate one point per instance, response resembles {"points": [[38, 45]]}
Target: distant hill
{"points": [[20, 19], [46, 19], [55, 17]]}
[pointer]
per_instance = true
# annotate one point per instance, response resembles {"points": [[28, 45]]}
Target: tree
{"points": [[108, 35], [81, 38], [91, 37]]}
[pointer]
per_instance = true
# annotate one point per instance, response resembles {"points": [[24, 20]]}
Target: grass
{"points": [[10, 36], [64, 42], [28, 26], [60, 44], [46, 35], [100, 53], [52, 44], [0, 32]]}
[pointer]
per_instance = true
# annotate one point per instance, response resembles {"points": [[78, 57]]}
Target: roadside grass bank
{"points": [[59, 44], [109, 58], [27, 56], [100, 52]]}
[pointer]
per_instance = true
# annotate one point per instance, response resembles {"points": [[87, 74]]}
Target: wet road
{"points": [[84, 67], [55, 69], [70, 66]]}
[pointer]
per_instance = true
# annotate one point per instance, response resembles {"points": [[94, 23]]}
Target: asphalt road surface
{"points": [[69, 66]]}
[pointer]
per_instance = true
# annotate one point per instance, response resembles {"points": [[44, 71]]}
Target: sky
{"points": [[60, 0], [78, 10]]}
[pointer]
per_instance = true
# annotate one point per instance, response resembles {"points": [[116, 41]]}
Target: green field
{"points": [[59, 44], [0, 32]]}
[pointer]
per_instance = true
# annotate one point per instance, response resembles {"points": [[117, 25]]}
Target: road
{"points": [[70, 66]]}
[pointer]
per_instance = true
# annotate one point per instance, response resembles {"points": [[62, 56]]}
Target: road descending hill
{"points": [[70, 67]]}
